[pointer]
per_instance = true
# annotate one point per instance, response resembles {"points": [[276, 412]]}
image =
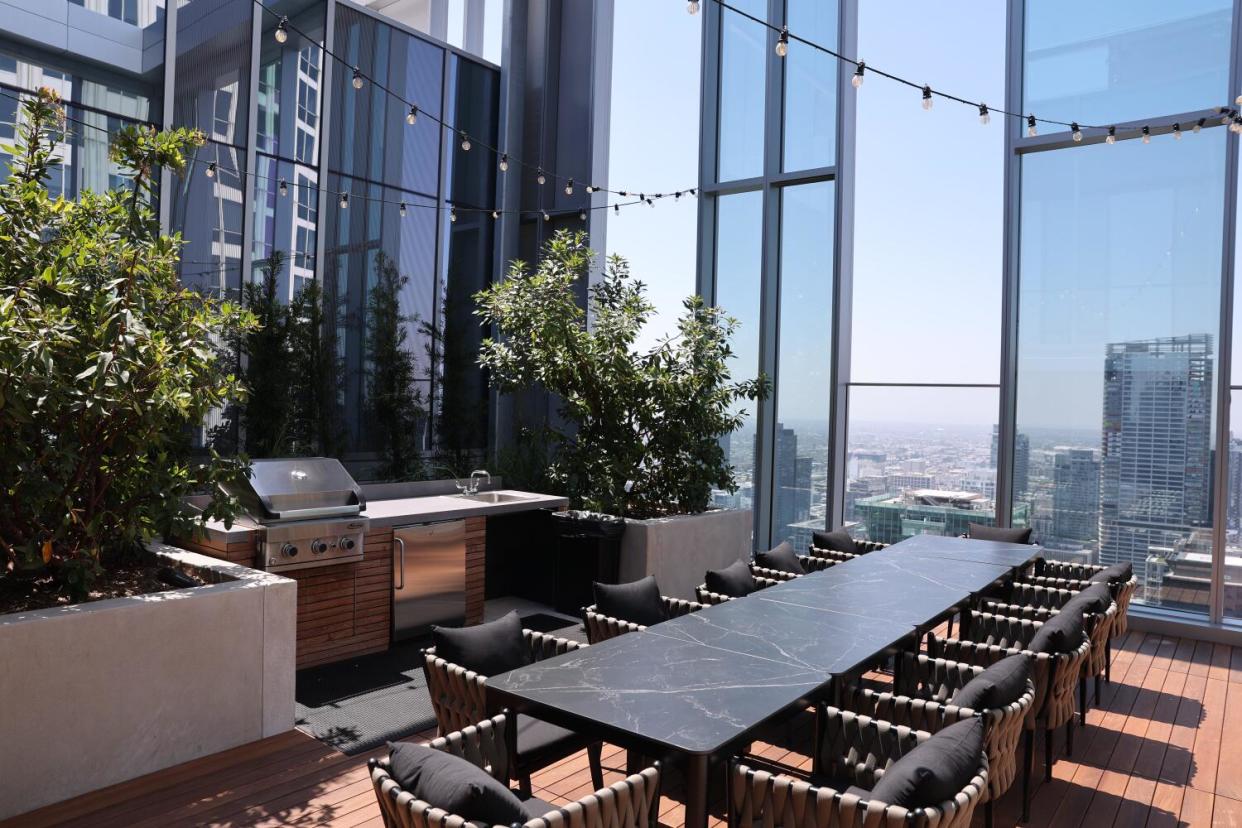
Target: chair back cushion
{"points": [[734, 580], [1096, 598], [782, 559], [637, 602], [454, 784], [838, 541], [998, 686], [1062, 633], [1115, 574], [935, 771], [488, 649], [994, 533]]}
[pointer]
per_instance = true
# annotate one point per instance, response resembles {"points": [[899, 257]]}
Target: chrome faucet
{"points": [[473, 488]]}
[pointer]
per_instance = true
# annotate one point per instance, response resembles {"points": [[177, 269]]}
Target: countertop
{"points": [[399, 511]]}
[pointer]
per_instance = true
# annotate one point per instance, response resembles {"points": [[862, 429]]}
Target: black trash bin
{"points": [[588, 549]]}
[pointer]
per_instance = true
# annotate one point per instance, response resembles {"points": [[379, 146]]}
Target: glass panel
{"points": [[739, 263], [1120, 60], [928, 212], [1119, 302], [920, 462], [744, 49], [804, 364], [1193, 571], [810, 86]]}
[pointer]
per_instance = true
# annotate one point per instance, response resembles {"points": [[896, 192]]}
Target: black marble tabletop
{"points": [[1011, 555]]}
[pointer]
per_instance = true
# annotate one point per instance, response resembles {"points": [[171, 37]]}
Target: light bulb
{"points": [[412, 116], [453, 214], [857, 80], [495, 214], [357, 81], [1225, 116], [1112, 135], [569, 187], [1238, 100], [582, 215], [540, 177], [282, 30], [693, 7], [546, 217], [1177, 132], [782, 43], [211, 170], [465, 143], [283, 187], [504, 162], [1031, 129], [591, 188], [344, 203], [1146, 135], [1075, 132], [927, 97], [401, 209], [985, 117], [616, 208]]}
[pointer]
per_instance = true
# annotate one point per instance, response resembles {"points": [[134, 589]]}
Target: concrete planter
{"points": [[678, 550], [99, 693]]}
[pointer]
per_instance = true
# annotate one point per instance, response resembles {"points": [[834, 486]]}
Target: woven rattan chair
{"points": [[1076, 577], [709, 598], [458, 697], [809, 562], [985, 639], [919, 700], [841, 557], [854, 750], [602, 627], [633, 802]]}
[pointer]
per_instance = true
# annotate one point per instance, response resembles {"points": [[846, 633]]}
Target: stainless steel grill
{"points": [[310, 509]]}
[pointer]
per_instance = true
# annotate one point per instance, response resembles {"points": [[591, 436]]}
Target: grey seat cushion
{"points": [[978, 531], [1115, 574], [838, 541], [734, 580], [536, 807], [781, 558], [1000, 685], [488, 649], [1096, 598], [936, 770], [454, 784], [1062, 633], [536, 737], [637, 602]]}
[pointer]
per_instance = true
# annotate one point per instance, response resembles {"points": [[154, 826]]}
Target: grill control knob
{"points": [[319, 546], [347, 544], [289, 550]]}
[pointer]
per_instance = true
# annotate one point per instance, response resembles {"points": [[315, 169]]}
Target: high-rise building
{"points": [[1156, 446], [1075, 496], [890, 518], [1021, 460], [792, 503], [1234, 511]]}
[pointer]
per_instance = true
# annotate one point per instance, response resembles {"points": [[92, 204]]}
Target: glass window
{"points": [[804, 364], [810, 87], [1195, 570], [920, 461], [744, 50], [1120, 60], [1119, 303], [929, 198], [739, 262]]}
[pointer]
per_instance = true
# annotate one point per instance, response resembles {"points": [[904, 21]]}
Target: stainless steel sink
{"points": [[494, 497]]}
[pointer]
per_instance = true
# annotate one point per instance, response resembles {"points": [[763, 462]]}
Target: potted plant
{"points": [[642, 428]]}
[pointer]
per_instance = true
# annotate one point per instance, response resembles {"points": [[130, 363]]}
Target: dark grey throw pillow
{"points": [[978, 531], [1000, 685], [782, 559], [1062, 633], [734, 580], [452, 783], [936, 770], [1115, 574], [637, 602], [488, 649], [838, 541], [1096, 598]]}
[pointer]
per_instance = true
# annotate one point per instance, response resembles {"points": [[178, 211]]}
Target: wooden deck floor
{"points": [[1155, 753]]}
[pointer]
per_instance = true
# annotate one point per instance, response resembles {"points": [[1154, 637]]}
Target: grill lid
{"points": [[299, 488]]}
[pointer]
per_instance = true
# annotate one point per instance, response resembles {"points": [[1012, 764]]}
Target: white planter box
{"points": [[678, 550], [98, 693]]}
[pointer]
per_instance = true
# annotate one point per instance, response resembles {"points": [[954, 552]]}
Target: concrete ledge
{"points": [[678, 550], [99, 693]]}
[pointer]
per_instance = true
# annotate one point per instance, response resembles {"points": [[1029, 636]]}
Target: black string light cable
{"points": [[1228, 116]]}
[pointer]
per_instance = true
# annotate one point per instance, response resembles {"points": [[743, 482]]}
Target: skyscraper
{"points": [[1075, 495], [1021, 460], [792, 503], [1156, 445]]}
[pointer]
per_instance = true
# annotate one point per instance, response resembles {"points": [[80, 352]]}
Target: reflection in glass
{"points": [[1121, 60], [804, 360], [921, 461], [744, 53], [739, 261], [1119, 303], [810, 87]]}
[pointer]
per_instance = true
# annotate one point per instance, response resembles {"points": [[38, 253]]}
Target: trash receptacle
{"points": [[588, 549]]}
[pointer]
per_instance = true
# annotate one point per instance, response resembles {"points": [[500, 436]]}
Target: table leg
{"points": [[696, 791]]}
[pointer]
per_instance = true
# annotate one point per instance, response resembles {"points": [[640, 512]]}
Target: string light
{"points": [[985, 117], [283, 187], [591, 188], [504, 162], [282, 30], [1177, 132], [452, 214], [782, 42], [546, 217], [1146, 135], [540, 178], [693, 7], [569, 187], [1238, 100], [1112, 135], [344, 203], [616, 208], [857, 80], [465, 142], [401, 209], [211, 170], [1031, 129], [927, 97], [495, 214], [357, 81], [411, 117], [582, 215], [1075, 132]]}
